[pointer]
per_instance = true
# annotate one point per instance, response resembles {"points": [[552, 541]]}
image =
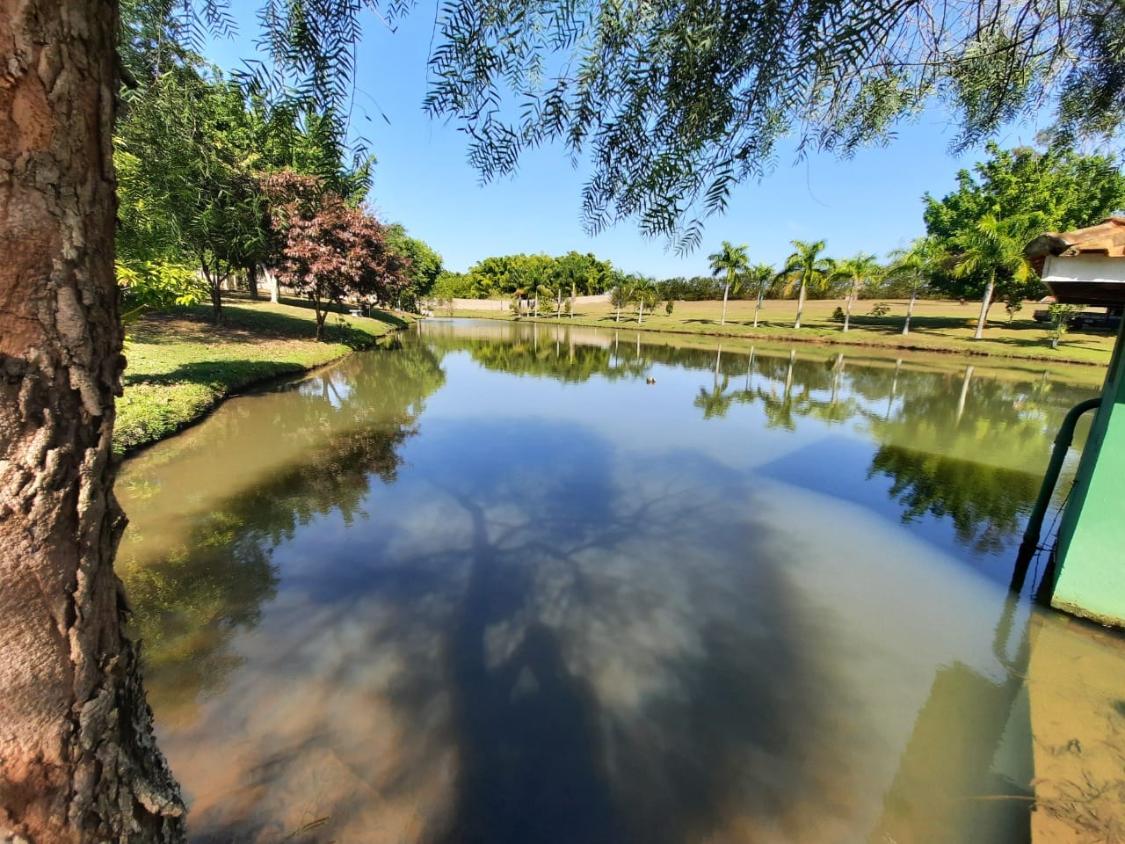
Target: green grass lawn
{"points": [[180, 365], [937, 326]]}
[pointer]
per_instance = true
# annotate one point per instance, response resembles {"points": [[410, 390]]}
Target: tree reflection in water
{"points": [[954, 445], [532, 636], [191, 594]]}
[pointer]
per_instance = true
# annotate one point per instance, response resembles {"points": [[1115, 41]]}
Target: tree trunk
{"points": [[800, 304], [320, 315], [252, 280], [848, 311], [78, 762], [726, 292], [894, 389], [274, 286], [985, 303], [640, 311], [910, 310], [214, 284], [758, 307], [961, 400], [217, 301]]}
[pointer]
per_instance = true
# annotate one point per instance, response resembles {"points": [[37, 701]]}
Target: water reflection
{"points": [[199, 565], [955, 443], [986, 504], [414, 599]]}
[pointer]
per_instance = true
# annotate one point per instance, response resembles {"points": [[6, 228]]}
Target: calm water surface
{"points": [[492, 586]]}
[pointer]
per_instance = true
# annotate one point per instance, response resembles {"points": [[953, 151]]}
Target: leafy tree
{"points": [[995, 247], [502, 274], [1013, 304], [1059, 321], [856, 270], [424, 264], [158, 284], [451, 285], [333, 251], [1061, 188], [190, 193], [730, 262], [806, 268]]}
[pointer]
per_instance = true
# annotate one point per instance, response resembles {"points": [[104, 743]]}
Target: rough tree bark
{"points": [[77, 758]]}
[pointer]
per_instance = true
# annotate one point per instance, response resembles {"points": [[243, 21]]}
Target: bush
{"points": [[159, 285], [879, 309], [838, 314]]}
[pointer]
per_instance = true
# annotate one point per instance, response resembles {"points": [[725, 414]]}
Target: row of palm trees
{"points": [[993, 248]]}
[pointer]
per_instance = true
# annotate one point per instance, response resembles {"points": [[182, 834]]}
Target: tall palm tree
{"points": [[914, 264], [994, 247], [806, 268], [731, 261], [856, 270]]}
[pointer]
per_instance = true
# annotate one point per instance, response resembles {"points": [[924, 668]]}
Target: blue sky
{"points": [[871, 202]]}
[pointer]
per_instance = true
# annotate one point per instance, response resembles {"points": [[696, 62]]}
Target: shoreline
{"points": [[192, 363], [784, 336]]}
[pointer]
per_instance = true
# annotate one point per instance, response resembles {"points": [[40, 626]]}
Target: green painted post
{"points": [[1090, 573]]}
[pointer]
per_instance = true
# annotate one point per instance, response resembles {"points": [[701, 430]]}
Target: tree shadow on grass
{"points": [[249, 325], [217, 374]]}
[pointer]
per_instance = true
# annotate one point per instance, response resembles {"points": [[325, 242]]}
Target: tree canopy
{"points": [[504, 275], [678, 101], [1056, 190]]}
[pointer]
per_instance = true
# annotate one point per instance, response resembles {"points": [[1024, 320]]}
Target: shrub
{"points": [[879, 309], [158, 284]]}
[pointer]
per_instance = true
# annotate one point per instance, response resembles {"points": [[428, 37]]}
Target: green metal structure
{"points": [[1090, 555], [1087, 579]]}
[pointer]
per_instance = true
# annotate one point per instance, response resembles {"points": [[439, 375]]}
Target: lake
{"points": [[523, 583]]}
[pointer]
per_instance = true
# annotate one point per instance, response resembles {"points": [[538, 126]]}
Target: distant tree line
{"points": [[575, 273], [972, 249]]}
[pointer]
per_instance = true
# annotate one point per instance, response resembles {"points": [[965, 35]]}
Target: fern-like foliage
{"points": [[678, 101]]}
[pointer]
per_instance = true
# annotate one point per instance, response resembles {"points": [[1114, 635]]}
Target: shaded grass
{"points": [[179, 365], [937, 326]]}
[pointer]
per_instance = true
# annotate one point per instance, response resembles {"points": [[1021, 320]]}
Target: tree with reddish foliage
{"points": [[330, 251]]}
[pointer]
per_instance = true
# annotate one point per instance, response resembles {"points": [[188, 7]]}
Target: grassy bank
{"points": [[180, 365], [937, 326]]}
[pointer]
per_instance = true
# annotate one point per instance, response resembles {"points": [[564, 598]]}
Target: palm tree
{"points": [[621, 296], [915, 263], [646, 294], [716, 401], [994, 247], [733, 261], [859, 268], [806, 267], [760, 276]]}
